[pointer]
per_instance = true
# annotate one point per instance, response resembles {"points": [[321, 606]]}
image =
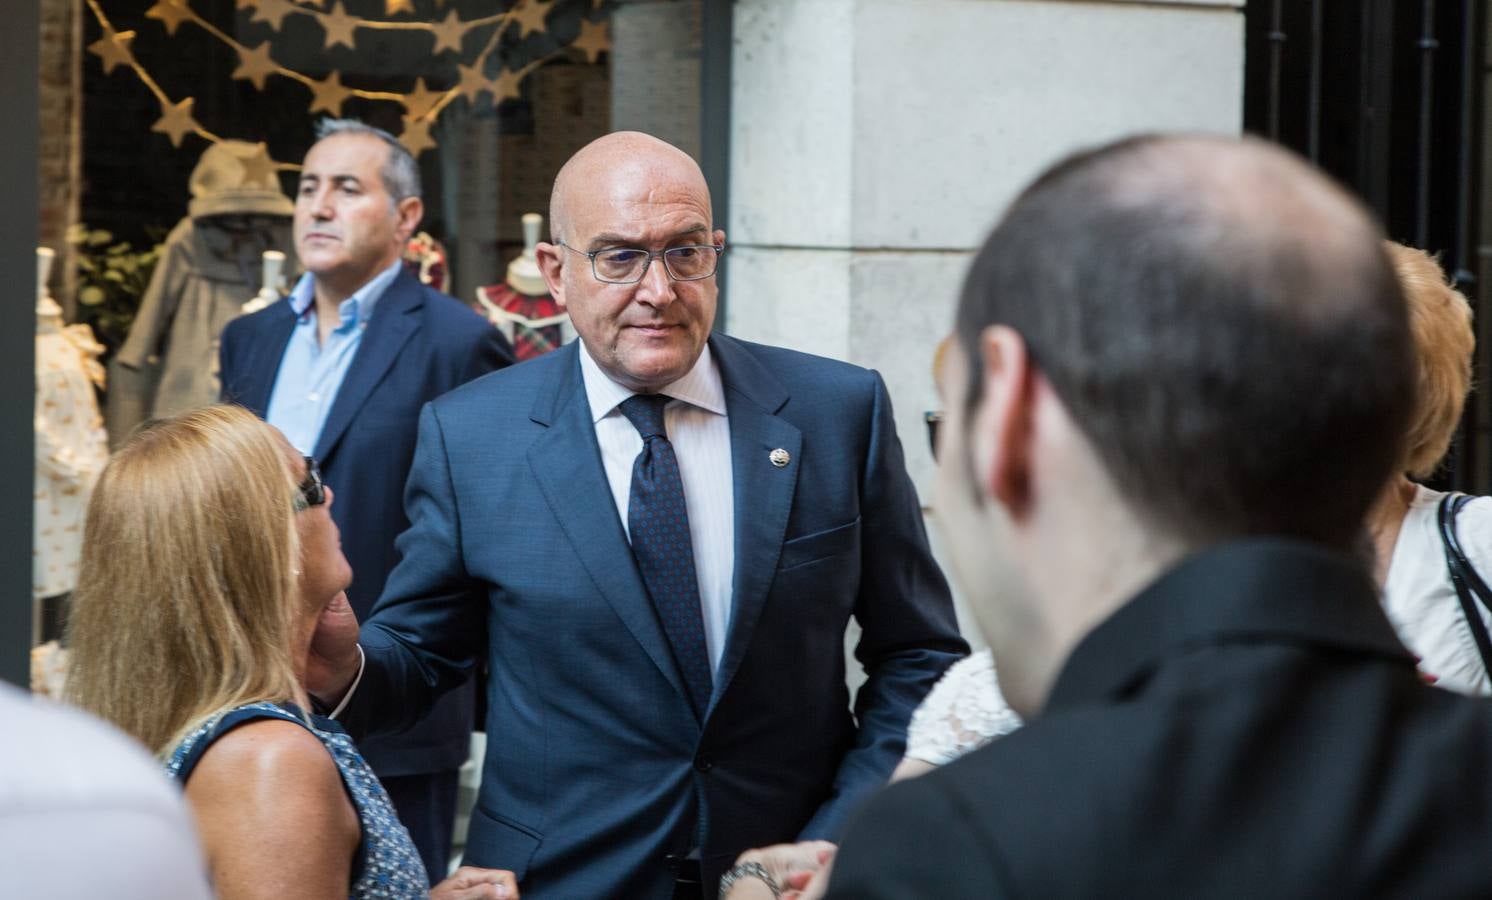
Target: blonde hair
{"points": [[1440, 322], [187, 602]]}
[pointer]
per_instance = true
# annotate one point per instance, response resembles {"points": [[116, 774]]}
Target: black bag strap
{"points": [[1465, 578]]}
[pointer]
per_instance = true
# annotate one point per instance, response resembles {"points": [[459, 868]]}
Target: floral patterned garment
{"points": [[964, 711], [387, 865]]}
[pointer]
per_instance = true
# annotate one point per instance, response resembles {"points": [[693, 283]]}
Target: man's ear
{"points": [[1006, 417], [550, 258], [408, 213]]}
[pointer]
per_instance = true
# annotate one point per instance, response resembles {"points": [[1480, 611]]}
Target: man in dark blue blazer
{"points": [[343, 367], [642, 733]]}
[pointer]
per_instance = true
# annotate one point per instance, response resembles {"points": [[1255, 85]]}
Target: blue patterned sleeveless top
{"points": [[387, 865]]}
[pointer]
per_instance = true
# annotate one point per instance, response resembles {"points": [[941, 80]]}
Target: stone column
{"points": [[874, 142]]}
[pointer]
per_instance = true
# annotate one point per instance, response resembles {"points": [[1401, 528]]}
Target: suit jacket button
{"points": [[703, 763]]}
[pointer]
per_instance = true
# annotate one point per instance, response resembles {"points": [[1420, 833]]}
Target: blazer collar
{"points": [[1257, 590], [388, 331]]}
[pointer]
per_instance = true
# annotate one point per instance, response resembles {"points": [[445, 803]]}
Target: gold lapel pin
{"points": [[780, 458]]}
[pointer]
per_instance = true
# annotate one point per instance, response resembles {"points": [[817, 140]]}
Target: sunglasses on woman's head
{"points": [[312, 491]]}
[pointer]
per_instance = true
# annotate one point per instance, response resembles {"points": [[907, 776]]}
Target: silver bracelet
{"points": [[747, 870]]}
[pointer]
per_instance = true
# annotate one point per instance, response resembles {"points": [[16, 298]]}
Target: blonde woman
{"points": [[209, 554], [1418, 593]]}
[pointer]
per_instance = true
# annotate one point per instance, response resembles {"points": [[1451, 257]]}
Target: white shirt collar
{"points": [[700, 386]]}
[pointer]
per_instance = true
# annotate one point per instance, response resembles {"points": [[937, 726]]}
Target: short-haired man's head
{"points": [[1440, 322], [401, 174], [1222, 324]]}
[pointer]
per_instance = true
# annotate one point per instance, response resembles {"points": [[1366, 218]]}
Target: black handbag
{"points": [[1465, 578]]}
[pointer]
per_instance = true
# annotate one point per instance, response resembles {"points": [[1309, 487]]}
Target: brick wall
{"points": [[59, 179]]}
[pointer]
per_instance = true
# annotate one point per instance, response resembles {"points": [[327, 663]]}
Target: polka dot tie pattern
{"points": [[658, 524]]}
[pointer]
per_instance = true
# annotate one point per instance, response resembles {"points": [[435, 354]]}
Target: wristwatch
{"points": [[747, 870]]}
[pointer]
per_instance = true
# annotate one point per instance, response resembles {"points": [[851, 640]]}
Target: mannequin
{"points": [[71, 447], [425, 258], [209, 267], [270, 285], [521, 306]]}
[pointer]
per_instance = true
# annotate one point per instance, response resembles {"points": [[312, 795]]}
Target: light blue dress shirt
{"points": [[311, 372]]}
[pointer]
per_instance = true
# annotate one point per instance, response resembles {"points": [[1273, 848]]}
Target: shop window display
{"points": [[195, 115]]}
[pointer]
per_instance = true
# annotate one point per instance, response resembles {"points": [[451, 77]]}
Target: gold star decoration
{"points": [[449, 32], [245, 4], [339, 27], [593, 40], [329, 95], [272, 12], [171, 13], [113, 49], [420, 100], [254, 64], [416, 137], [259, 168], [530, 16], [394, 7], [473, 82], [505, 86], [176, 120]]}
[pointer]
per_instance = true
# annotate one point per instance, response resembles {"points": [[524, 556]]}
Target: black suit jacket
{"points": [[1249, 726], [419, 344]]}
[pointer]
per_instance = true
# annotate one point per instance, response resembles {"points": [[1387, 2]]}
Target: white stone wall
{"points": [[874, 142]]}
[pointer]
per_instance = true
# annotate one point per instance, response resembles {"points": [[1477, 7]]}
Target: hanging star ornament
{"points": [[329, 95], [505, 86], [530, 16], [449, 32], [421, 100], [259, 168], [113, 49], [272, 12], [416, 137], [472, 82], [339, 27], [171, 13], [176, 120], [592, 40], [394, 7], [254, 64]]}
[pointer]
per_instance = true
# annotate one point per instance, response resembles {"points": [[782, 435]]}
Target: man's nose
{"points": [[656, 287], [318, 204]]}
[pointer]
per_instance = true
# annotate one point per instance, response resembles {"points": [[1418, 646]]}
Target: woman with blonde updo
{"points": [[209, 554]]}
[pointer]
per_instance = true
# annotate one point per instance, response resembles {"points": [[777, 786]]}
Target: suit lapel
{"points": [[566, 462], [763, 492], [263, 365], [395, 319]]}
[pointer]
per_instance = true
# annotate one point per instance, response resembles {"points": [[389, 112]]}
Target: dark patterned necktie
{"points": [[658, 524]]}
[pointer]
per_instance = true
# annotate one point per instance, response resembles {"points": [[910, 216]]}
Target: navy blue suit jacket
{"points": [[598, 774], [418, 345]]}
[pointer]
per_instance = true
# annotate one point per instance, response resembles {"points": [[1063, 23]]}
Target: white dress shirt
{"points": [[699, 430], [1421, 600]]}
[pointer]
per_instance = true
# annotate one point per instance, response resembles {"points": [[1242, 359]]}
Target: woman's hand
{"points": [[790, 865], [472, 883]]}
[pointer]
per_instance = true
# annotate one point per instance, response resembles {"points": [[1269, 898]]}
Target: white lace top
{"points": [[964, 711]]}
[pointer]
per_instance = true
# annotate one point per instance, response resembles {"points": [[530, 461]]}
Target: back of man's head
{"points": [[1220, 321]]}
